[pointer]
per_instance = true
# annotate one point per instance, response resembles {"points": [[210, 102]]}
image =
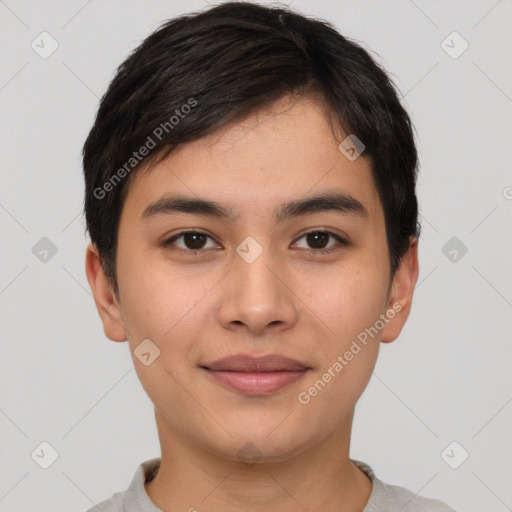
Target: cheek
{"points": [[347, 301], [169, 308], [350, 305], [166, 313], [155, 295]]}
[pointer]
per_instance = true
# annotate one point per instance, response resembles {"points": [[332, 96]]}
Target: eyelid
{"points": [[328, 231], [342, 240], [167, 241]]}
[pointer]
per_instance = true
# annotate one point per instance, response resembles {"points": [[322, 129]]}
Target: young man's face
{"points": [[257, 287]]}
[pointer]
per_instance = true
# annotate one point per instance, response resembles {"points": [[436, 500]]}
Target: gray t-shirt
{"points": [[384, 498]]}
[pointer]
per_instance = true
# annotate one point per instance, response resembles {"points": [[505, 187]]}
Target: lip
{"points": [[256, 375], [248, 363]]}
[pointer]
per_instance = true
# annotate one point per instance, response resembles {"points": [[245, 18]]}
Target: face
{"points": [[253, 274]]}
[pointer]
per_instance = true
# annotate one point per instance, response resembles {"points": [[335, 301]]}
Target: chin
{"points": [[261, 445]]}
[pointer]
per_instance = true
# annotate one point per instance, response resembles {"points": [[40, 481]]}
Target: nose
{"points": [[257, 296]]}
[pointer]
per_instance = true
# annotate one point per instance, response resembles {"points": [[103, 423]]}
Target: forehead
{"points": [[281, 152]]}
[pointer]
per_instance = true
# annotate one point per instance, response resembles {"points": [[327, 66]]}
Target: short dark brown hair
{"points": [[198, 72]]}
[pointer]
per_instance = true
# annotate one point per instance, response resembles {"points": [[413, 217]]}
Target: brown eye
{"points": [[317, 241], [192, 241]]}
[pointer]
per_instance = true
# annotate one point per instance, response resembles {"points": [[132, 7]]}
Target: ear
{"points": [[104, 297], [402, 289]]}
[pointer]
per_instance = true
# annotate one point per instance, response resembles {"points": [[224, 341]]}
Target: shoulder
{"points": [[392, 498], [135, 498], [398, 498], [114, 504]]}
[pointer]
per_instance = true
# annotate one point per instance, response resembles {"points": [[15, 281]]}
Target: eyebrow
{"points": [[332, 201]]}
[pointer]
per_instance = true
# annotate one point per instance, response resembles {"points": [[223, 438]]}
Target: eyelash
{"points": [[167, 243]]}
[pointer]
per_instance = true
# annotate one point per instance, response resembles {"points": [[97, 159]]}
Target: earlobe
{"points": [[104, 298], [402, 290]]}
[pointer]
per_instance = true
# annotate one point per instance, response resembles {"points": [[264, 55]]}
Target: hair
{"points": [[198, 72]]}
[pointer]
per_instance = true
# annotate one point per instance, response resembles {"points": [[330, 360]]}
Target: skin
{"points": [[199, 308]]}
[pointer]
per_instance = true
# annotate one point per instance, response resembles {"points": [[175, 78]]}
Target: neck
{"points": [[321, 477]]}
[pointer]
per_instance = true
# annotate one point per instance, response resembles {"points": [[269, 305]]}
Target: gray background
{"points": [[447, 378]]}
